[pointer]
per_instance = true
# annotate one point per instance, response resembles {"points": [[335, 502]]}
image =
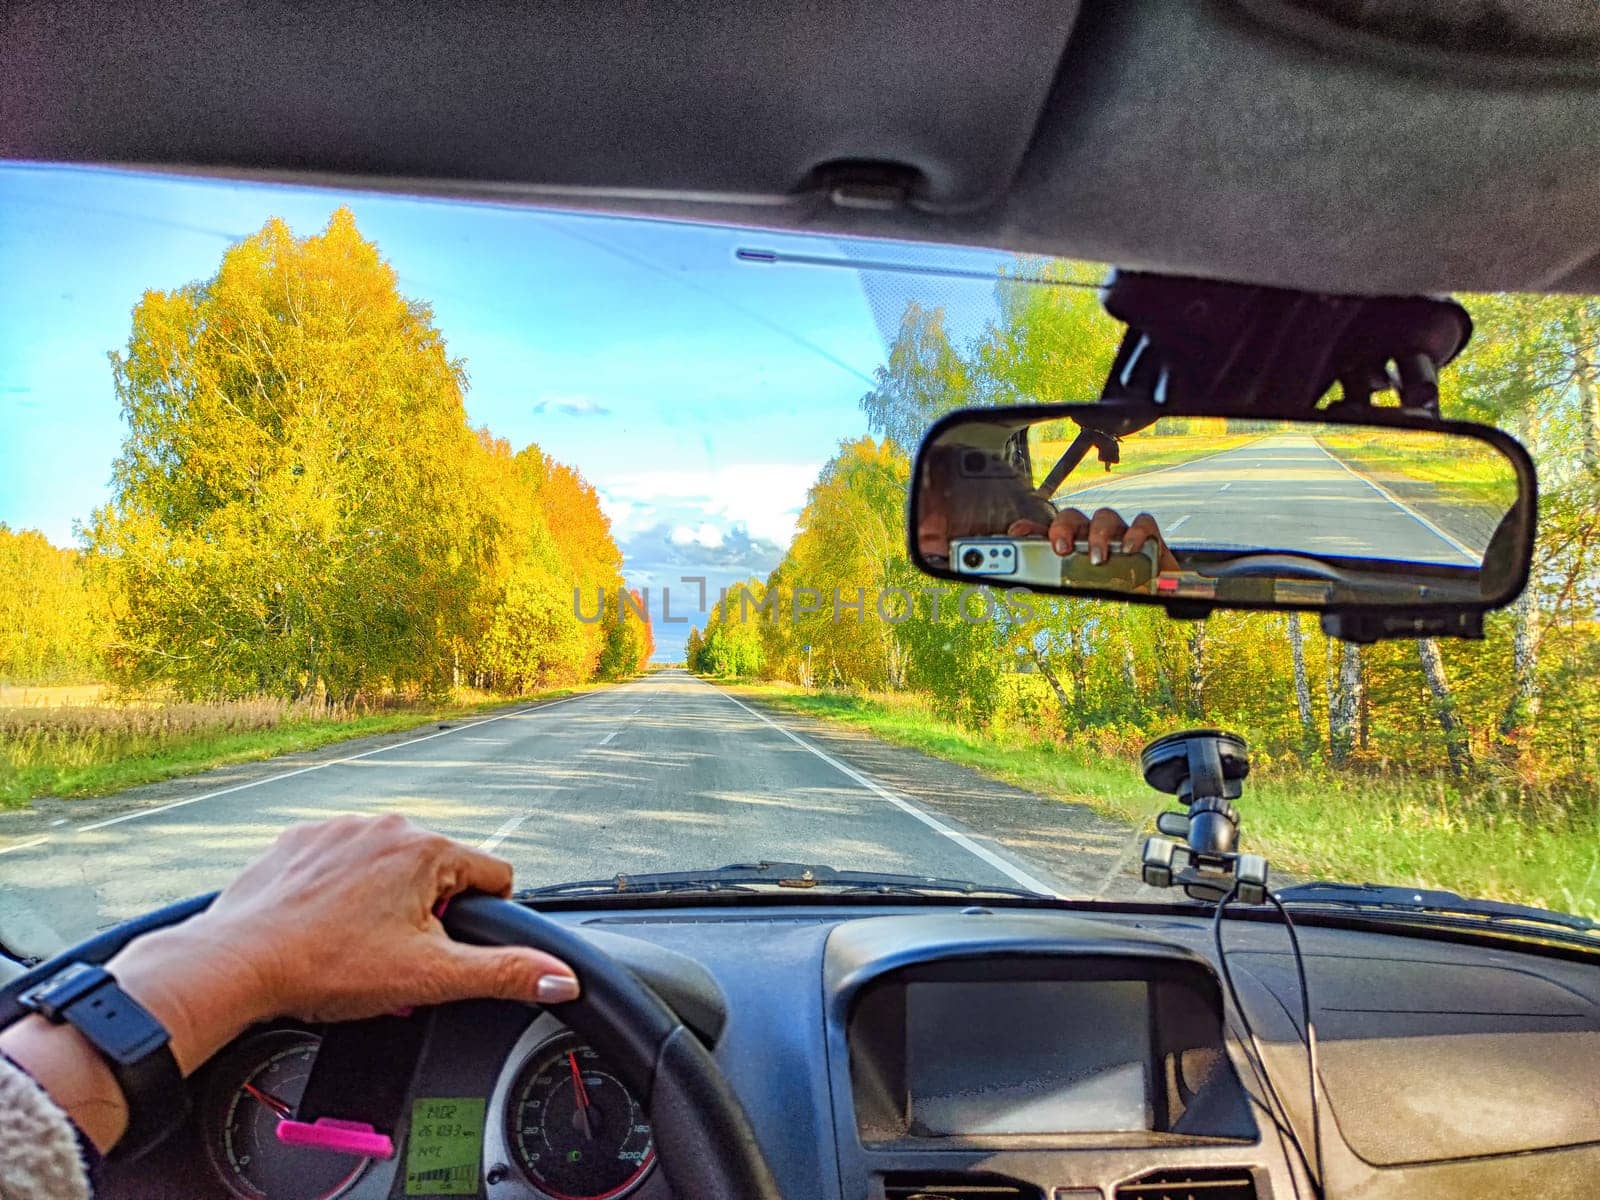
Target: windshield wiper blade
{"points": [[1424, 900], [751, 877]]}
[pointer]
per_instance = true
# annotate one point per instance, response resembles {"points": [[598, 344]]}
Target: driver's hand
{"points": [[334, 922], [1070, 526]]}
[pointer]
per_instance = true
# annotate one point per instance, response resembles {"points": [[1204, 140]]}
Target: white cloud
{"points": [[766, 498], [572, 406], [706, 535]]}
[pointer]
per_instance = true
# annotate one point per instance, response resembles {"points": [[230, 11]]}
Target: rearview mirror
{"points": [[1417, 525]]}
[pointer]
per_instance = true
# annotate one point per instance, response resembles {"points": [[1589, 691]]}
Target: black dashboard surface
{"points": [[1447, 1069]]}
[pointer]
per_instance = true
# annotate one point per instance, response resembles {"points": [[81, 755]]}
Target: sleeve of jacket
{"points": [[40, 1157]]}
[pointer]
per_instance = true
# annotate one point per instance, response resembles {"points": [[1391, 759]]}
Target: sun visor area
{"points": [[580, 96]]}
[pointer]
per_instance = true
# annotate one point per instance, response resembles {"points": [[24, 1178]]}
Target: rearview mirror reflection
{"points": [[1284, 513]]}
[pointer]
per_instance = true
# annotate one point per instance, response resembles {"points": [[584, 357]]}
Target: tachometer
{"points": [[573, 1128], [248, 1089]]}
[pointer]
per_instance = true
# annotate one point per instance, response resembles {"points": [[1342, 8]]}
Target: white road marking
{"points": [[38, 841], [1178, 524], [501, 834], [1470, 555], [608, 737], [1226, 486], [332, 762], [966, 843]]}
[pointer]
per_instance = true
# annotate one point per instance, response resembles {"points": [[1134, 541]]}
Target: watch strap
{"points": [[135, 1046]]}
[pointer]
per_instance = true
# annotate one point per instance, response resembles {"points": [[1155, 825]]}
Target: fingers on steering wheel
{"points": [[462, 868], [502, 973], [1104, 528], [1068, 527]]}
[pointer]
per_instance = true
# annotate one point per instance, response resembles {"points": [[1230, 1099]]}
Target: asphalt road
{"points": [[1280, 492], [662, 773]]}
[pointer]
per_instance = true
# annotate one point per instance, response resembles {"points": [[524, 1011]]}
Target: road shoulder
{"points": [[19, 827], [1088, 853]]}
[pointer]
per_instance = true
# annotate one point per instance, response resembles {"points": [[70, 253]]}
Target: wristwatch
{"points": [[133, 1043]]}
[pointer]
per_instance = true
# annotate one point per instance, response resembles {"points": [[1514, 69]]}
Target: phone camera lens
{"points": [[972, 558], [973, 462]]}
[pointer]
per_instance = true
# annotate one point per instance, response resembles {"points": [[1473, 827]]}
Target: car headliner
{"points": [[1340, 145]]}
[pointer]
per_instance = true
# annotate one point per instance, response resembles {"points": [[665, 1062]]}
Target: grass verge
{"points": [[1413, 832], [93, 750]]}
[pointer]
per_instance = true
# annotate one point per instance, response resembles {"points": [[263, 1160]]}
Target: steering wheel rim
{"points": [[703, 1138]]}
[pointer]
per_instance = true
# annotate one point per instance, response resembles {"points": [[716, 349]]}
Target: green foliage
{"points": [[53, 617], [300, 508], [1499, 728], [924, 378], [627, 638], [730, 645], [1310, 821]]}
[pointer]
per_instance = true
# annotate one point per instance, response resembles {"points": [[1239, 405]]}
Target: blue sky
{"points": [[698, 393]]}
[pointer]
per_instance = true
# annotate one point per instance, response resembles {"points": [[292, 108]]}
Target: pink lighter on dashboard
{"points": [[337, 1137]]}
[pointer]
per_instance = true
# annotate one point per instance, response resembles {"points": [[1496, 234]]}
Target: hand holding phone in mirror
{"points": [[1101, 532]]}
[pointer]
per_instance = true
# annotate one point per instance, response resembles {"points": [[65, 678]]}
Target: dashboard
{"points": [[926, 1051]]}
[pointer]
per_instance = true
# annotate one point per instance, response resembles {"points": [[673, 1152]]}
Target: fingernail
{"points": [[1096, 555], [556, 989], [1063, 546]]}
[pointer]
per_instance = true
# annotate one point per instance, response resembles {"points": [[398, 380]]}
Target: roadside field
{"points": [[86, 749], [1311, 825]]}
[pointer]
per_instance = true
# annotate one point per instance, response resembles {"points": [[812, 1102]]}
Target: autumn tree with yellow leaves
{"points": [[301, 509]]}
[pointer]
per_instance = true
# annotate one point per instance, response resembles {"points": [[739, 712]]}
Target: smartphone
{"points": [[1034, 561]]}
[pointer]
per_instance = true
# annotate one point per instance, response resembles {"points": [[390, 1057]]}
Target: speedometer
{"points": [[573, 1128], [248, 1089]]}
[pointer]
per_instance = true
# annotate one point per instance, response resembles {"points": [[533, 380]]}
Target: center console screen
{"points": [[1048, 1056]]}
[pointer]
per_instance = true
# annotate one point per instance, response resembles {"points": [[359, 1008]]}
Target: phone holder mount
{"points": [[1197, 849]]}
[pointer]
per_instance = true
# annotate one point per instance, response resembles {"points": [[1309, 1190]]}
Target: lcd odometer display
{"points": [[445, 1149], [574, 1129]]}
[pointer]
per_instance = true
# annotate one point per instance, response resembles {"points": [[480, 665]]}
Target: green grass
{"points": [[1470, 475], [1414, 832], [99, 749]]}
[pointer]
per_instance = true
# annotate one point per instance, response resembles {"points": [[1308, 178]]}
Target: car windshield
{"points": [[583, 539]]}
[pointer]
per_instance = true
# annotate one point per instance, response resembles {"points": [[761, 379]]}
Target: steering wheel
{"points": [[705, 1143]]}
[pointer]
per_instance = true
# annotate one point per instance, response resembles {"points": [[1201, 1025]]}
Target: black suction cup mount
{"points": [[1205, 770]]}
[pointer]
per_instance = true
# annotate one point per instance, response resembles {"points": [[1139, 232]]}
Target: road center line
{"points": [[332, 762], [966, 843], [1178, 524], [501, 834], [608, 737]]}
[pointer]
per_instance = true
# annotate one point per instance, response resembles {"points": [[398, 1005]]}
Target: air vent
{"points": [[945, 1186], [1196, 1183]]}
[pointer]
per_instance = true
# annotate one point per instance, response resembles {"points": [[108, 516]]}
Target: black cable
{"points": [[1310, 1033], [1310, 1161]]}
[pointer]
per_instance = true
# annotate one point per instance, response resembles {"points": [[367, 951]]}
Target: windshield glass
{"points": [[583, 539]]}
